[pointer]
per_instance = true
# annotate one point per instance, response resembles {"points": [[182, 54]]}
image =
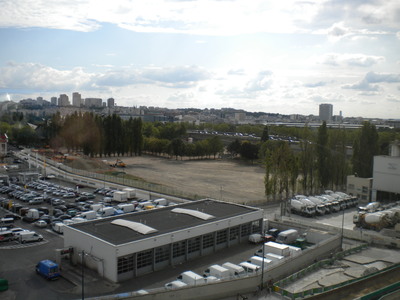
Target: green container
{"points": [[3, 284]]}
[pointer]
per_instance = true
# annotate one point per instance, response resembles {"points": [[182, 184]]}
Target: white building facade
{"points": [[386, 175], [119, 253]]}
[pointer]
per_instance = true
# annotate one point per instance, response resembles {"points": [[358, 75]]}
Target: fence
{"points": [[119, 178]]}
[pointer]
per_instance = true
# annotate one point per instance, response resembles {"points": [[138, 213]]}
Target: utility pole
{"points": [[83, 275]]}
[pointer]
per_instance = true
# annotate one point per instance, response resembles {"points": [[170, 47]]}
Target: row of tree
{"points": [[95, 135], [320, 162]]}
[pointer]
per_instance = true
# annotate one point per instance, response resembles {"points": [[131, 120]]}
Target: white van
{"points": [[250, 268], [288, 236], [176, 284], [234, 270], [58, 227], [30, 236], [258, 260], [217, 271], [191, 278]]}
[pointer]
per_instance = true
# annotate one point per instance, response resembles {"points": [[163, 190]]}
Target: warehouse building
{"points": [[129, 245]]}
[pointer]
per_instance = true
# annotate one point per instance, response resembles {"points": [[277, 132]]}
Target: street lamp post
{"points": [[341, 238], [83, 277], [262, 264]]}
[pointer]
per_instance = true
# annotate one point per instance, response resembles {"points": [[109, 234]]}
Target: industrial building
{"points": [[129, 245], [386, 175]]}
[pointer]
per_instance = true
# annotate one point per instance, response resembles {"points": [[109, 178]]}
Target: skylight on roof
{"points": [[138, 227], [194, 213]]}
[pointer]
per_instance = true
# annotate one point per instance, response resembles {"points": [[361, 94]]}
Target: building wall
{"points": [[94, 249], [360, 187], [107, 256], [386, 174], [325, 112]]}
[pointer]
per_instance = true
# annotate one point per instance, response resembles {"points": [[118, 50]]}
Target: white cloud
{"points": [[350, 59], [35, 76], [366, 84]]}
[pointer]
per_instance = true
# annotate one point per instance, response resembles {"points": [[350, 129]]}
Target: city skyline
{"points": [[264, 56]]}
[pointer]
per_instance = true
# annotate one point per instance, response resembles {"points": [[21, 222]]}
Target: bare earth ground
{"points": [[229, 180]]}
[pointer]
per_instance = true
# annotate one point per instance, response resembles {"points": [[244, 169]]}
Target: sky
{"points": [[268, 56]]}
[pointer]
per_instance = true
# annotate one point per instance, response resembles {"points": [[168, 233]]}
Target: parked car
{"points": [[40, 224]]}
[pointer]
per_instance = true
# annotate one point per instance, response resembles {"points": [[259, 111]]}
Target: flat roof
{"points": [[161, 219]]}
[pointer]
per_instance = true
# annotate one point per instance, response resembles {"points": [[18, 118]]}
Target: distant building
{"points": [[53, 100], [63, 100], [93, 102], [110, 102], [325, 112], [240, 117], [76, 99]]}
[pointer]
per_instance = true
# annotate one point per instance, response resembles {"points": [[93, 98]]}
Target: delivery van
{"points": [[287, 237], [234, 270], [48, 269], [176, 284], [217, 271], [257, 260], [250, 268], [29, 236], [191, 278]]}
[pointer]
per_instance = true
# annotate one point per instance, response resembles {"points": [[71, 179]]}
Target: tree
{"points": [[323, 156], [364, 149], [234, 147], [177, 147], [249, 151], [265, 134], [307, 161], [215, 145]]}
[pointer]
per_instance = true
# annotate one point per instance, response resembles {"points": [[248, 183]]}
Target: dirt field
{"points": [[228, 180]]}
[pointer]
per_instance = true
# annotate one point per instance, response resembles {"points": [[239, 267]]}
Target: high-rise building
{"points": [[76, 99], [110, 102], [93, 102], [325, 112], [53, 100], [63, 100]]}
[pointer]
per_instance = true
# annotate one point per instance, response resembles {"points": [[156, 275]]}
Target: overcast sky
{"points": [[258, 55]]}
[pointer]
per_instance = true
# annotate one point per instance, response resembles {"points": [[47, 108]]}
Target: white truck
{"points": [[160, 201], [319, 208], [88, 215], [320, 203], [130, 192], [250, 268], [106, 212], [287, 236], [191, 278], [234, 270], [298, 207], [126, 207], [258, 260], [32, 215], [217, 271], [120, 196], [58, 227], [276, 248]]}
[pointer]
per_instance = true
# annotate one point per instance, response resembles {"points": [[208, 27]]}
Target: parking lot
{"points": [[57, 204]]}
